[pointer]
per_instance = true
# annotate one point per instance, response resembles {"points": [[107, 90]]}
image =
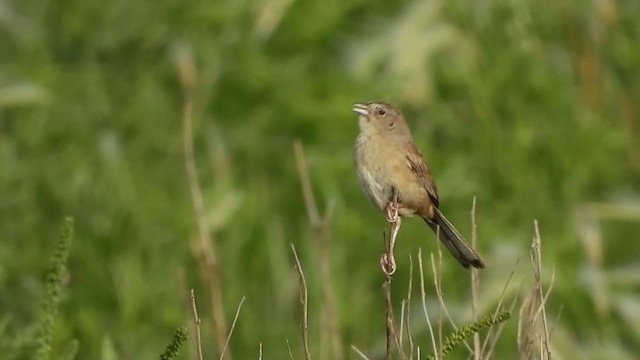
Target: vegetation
{"points": [[529, 107]]}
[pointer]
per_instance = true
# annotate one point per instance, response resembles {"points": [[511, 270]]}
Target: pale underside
{"points": [[402, 172]]}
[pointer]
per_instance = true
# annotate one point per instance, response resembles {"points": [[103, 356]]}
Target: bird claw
{"points": [[392, 212], [388, 264]]}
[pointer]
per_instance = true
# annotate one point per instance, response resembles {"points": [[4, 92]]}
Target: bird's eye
{"points": [[382, 112]]}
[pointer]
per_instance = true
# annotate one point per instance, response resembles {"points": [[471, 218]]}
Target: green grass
{"points": [[531, 107]]}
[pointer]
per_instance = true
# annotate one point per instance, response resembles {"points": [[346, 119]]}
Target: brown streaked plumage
{"points": [[389, 165]]}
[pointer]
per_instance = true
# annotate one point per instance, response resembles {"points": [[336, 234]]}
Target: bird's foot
{"points": [[392, 212], [388, 264]]}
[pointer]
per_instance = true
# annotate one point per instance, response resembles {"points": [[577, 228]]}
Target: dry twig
{"points": [[485, 343], [196, 323], [392, 335], [289, 349], [409, 291], [443, 306], [304, 302], [403, 305], [360, 353], [496, 336], [233, 326], [424, 306], [537, 266], [534, 307], [436, 284]]}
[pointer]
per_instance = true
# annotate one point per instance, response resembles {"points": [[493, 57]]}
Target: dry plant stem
{"points": [[206, 245], [389, 318], [524, 344], [408, 321], [360, 353], [475, 283], [438, 286], [437, 279], [260, 352], [540, 307], [485, 343], [196, 322], [392, 336], [496, 336], [423, 295], [321, 239], [436, 282], [537, 265], [233, 326], [289, 349], [189, 301], [402, 312], [543, 298], [557, 318], [304, 302]]}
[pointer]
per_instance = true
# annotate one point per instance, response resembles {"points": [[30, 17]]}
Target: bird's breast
{"points": [[382, 168]]}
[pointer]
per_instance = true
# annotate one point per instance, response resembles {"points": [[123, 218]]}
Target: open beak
{"points": [[360, 109]]}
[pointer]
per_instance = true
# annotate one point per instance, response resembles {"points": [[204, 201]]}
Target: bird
{"points": [[396, 178]]}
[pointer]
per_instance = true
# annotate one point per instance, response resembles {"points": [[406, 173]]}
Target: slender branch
{"points": [[485, 343], [304, 302], [206, 245], [403, 306], [392, 336], [388, 317], [409, 291], [360, 353], [438, 285], [233, 326], [537, 265], [436, 281], [196, 323], [496, 336], [424, 306], [289, 349]]}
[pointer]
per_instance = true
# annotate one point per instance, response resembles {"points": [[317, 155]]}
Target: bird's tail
{"points": [[453, 241]]}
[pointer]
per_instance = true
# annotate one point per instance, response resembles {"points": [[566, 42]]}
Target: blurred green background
{"points": [[530, 106]]}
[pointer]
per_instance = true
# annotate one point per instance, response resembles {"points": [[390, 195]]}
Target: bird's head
{"points": [[379, 117]]}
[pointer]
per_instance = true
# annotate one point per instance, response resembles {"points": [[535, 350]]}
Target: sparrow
{"points": [[396, 179]]}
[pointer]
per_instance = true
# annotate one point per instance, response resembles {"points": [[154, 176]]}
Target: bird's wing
{"points": [[419, 168]]}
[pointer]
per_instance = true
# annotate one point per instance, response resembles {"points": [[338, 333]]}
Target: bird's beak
{"points": [[360, 109]]}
